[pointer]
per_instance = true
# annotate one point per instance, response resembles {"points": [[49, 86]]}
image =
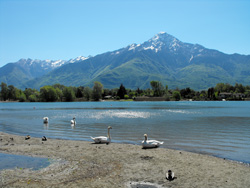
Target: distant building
{"points": [[225, 95]]}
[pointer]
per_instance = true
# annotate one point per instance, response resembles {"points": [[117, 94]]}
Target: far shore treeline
{"points": [[157, 92]]}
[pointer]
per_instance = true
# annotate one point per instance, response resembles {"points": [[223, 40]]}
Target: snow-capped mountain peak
{"points": [[160, 41], [80, 58]]}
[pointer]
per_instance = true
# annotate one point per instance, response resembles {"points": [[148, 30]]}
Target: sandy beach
{"points": [[84, 164]]}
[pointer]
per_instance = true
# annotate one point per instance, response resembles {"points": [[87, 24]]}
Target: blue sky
{"points": [[65, 29]]}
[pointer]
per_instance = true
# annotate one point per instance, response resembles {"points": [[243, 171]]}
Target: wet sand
{"points": [[83, 164]]}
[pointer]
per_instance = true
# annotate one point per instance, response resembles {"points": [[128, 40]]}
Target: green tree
{"points": [[35, 94], [59, 86], [121, 92], [33, 98], [4, 91], [22, 97], [59, 93], [69, 94], [97, 91], [166, 89], [239, 88], [157, 88], [176, 95], [12, 92], [48, 94], [219, 87], [87, 93], [79, 92]]}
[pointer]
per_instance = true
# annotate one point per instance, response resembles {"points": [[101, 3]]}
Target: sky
{"points": [[66, 29]]}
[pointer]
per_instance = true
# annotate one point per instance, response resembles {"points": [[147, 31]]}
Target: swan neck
{"points": [[109, 134]]}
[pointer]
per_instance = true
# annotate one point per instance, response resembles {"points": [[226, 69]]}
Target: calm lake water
{"points": [[220, 129]]}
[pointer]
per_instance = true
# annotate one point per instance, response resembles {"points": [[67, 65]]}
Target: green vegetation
{"points": [[97, 91], [58, 93]]}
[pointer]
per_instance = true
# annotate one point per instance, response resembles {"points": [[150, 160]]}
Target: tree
{"points": [[210, 93], [87, 93], [97, 91], [11, 92], [4, 91], [22, 97], [48, 94], [219, 87], [158, 88], [31, 94], [79, 92], [176, 95], [59, 93], [121, 92], [239, 88], [69, 94], [166, 89], [33, 98]]}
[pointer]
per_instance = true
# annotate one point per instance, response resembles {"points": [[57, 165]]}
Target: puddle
{"points": [[9, 161], [143, 185]]}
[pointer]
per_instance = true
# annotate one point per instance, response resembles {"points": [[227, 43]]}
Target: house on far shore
{"points": [[225, 95], [108, 97]]}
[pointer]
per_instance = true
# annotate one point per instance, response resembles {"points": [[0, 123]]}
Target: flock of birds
{"points": [[107, 139]]}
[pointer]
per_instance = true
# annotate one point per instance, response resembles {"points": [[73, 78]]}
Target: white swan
{"points": [[73, 122], [103, 139], [150, 143], [45, 120]]}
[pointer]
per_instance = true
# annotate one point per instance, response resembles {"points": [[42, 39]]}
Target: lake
{"points": [[218, 128]]}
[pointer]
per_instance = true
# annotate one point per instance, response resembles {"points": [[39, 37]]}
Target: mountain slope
{"points": [[24, 70], [163, 58]]}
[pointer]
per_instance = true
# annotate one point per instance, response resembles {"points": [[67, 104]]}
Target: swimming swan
{"points": [[45, 120], [150, 143], [103, 139], [73, 122]]}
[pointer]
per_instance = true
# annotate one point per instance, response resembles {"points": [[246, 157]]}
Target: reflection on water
{"points": [[46, 126], [9, 161], [216, 128]]}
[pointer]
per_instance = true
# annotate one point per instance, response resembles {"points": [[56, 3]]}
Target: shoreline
{"points": [[162, 147], [84, 164]]}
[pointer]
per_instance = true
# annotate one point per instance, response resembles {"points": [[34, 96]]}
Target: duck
{"points": [[27, 137], [150, 143], [45, 120], [170, 175], [44, 138], [73, 122], [102, 139]]}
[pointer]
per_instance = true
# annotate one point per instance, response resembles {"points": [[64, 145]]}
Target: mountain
{"points": [[27, 69], [163, 58]]}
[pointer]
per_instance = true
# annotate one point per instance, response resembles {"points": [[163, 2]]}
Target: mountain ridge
{"points": [[163, 58]]}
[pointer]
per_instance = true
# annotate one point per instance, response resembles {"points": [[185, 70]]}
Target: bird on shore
{"points": [[103, 139], [73, 122], [44, 138], [45, 120], [27, 137], [170, 175], [150, 143]]}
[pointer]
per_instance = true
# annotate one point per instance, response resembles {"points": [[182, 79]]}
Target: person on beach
{"points": [[170, 175]]}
